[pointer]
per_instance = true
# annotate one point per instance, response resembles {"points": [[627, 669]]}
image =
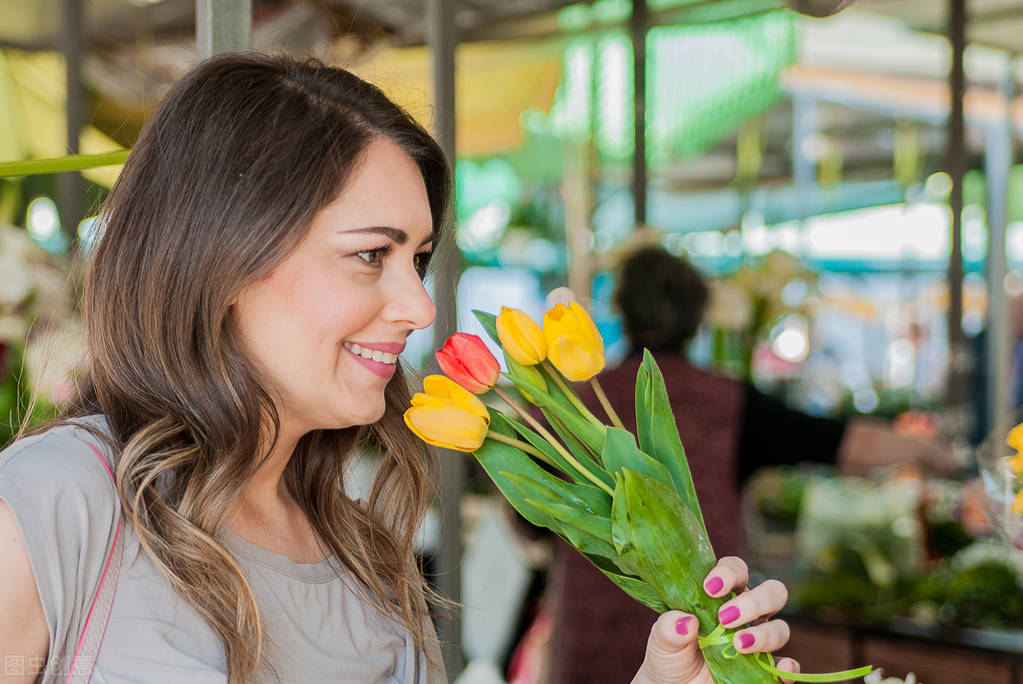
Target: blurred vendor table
{"points": [[935, 655]]}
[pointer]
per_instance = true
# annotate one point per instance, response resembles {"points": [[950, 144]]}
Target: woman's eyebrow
{"points": [[396, 234]]}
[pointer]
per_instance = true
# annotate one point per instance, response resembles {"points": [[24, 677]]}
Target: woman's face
{"points": [[327, 323]]}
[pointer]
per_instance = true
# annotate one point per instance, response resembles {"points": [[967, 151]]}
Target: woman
{"points": [[259, 272]]}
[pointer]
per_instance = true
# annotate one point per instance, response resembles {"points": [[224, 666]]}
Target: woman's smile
{"points": [[378, 357]]}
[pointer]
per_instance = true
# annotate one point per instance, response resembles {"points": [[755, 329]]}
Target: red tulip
{"points": [[465, 359]]}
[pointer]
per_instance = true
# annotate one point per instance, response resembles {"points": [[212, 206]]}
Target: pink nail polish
{"points": [[746, 640], [729, 614], [682, 625], [713, 585]]}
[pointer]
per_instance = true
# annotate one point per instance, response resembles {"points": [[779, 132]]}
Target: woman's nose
{"points": [[412, 305]]}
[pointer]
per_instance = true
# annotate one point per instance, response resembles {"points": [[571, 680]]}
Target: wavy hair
{"points": [[222, 184]]}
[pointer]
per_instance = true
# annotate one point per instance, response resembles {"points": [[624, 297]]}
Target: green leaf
{"points": [[548, 450], [586, 499], [620, 452], [639, 590], [658, 432], [489, 323], [657, 531], [670, 551], [531, 374], [75, 162], [621, 531], [581, 453], [498, 459], [587, 533]]}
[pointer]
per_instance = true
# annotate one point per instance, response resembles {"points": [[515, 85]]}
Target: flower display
{"points": [[573, 344], [624, 500], [465, 359], [520, 336], [40, 334], [1014, 439], [999, 459], [445, 414]]}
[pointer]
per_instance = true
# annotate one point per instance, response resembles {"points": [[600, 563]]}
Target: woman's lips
{"points": [[384, 370], [383, 350]]}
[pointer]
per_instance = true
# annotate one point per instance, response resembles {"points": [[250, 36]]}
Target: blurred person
{"points": [[260, 268], [729, 429]]}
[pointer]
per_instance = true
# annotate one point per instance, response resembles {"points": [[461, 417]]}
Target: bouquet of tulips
{"points": [[626, 502]]}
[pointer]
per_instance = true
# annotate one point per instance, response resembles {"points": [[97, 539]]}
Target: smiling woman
{"points": [[246, 307]]}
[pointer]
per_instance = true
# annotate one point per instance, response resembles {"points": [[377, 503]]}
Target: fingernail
{"points": [[682, 625], [746, 640], [713, 585], [729, 614]]}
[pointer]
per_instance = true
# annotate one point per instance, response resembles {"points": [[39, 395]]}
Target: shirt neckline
{"points": [[313, 573]]}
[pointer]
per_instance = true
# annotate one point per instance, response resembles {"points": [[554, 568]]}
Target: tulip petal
{"points": [[521, 337], [465, 359], [438, 386], [584, 326], [576, 359], [444, 389], [447, 427], [1015, 437]]}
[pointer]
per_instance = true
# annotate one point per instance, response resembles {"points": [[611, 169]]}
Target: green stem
{"points": [[570, 394], [76, 162], [543, 432], [608, 409], [519, 444], [573, 442]]}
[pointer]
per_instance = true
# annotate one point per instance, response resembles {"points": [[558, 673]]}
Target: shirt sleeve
{"points": [[65, 504], [774, 434]]}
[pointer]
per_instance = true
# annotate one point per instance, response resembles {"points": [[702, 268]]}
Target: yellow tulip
{"points": [[1017, 505], [446, 415], [521, 338], [1016, 463], [573, 344], [1015, 437]]}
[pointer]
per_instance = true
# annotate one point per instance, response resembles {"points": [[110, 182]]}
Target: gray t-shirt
{"points": [[66, 507]]}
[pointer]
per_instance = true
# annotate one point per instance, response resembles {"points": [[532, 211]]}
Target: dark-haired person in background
{"points": [[729, 429]]}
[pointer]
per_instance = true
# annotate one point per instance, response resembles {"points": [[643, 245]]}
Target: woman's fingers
{"points": [[788, 665], [767, 637], [766, 599], [730, 574], [671, 652]]}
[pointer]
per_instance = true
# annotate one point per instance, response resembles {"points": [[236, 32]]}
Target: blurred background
{"points": [[842, 172]]}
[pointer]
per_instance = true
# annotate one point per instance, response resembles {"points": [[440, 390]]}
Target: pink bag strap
{"points": [[84, 660]]}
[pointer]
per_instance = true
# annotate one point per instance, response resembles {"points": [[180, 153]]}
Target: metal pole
{"points": [[222, 26], [71, 188], [998, 156], [639, 169], [959, 357], [447, 561]]}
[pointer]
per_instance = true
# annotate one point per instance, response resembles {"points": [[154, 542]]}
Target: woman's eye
{"points": [[373, 257]]}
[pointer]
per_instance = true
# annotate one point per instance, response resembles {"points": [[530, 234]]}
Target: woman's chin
{"points": [[365, 416]]}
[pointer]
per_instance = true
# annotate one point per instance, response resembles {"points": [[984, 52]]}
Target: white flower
{"points": [[16, 283], [51, 358], [12, 329], [875, 677]]}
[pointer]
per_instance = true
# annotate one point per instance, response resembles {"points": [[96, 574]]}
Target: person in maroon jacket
{"points": [[729, 429]]}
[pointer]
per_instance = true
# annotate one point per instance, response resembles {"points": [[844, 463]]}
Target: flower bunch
{"points": [[1014, 439], [625, 501]]}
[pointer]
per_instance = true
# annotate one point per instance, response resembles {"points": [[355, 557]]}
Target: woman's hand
{"points": [[672, 656]]}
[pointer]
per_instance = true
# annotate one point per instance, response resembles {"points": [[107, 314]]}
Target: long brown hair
{"points": [[222, 184]]}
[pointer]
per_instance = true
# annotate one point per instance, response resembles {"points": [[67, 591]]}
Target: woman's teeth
{"points": [[379, 356]]}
